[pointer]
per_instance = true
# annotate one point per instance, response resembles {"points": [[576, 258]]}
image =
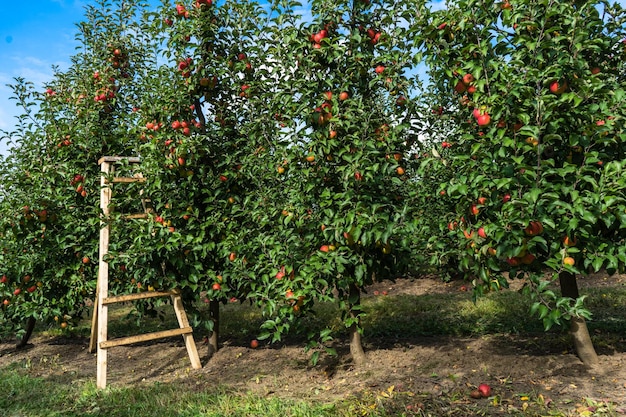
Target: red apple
{"points": [[324, 248], [481, 232], [344, 96], [460, 87], [216, 287], [254, 343], [534, 228], [528, 259], [379, 69], [180, 10], [468, 79], [558, 88], [483, 120], [513, 261], [485, 390]]}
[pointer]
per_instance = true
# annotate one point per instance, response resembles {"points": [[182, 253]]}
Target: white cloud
{"points": [[32, 69]]}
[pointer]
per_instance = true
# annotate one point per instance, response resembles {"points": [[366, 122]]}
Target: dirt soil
{"points": [[520, 369]]}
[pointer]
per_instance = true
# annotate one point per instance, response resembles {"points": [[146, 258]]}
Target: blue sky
{"points": [[34, 36]]}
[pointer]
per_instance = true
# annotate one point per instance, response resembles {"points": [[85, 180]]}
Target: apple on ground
{"points": [[485, 390]]}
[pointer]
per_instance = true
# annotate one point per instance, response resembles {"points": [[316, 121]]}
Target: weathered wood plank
{"points": [[144, 337], [136, 296]]}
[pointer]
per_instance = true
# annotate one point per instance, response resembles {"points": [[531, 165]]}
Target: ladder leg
{"points": [[103, 279], [93, 337], [192, 351]]}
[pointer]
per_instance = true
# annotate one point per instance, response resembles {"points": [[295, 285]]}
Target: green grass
{"points": [[394, 316], [28, 396]]}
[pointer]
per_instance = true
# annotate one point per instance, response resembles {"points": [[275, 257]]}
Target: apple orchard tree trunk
{"points": [[30, 326], [578, 326], [214, 310], [356, 348]]}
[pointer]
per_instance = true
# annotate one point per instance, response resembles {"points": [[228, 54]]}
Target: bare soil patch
{"points": [[519, 368]]}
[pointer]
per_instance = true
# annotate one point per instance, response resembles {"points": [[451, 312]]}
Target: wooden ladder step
{"points": [[126, 180], [137, 296], [144, 337], [135, 216]]}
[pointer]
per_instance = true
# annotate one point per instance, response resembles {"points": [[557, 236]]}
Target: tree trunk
{"points": [[578, 325], [356, 348], [30, 326], [214, 310]]}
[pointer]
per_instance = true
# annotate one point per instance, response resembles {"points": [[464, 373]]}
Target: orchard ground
{"points": [[532, 373]]}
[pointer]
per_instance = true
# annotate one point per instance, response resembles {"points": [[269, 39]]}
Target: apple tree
{"points": [[535, 90], [343, 94], [211, 170], [49, 220]]}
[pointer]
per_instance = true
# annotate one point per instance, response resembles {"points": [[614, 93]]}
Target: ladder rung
{"points": [[129, 159], [135, 216], [126, 180], [137, 296], [144, 337]]}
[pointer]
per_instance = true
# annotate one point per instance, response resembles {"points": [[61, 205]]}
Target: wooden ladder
{"points": [[99, 323]]}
